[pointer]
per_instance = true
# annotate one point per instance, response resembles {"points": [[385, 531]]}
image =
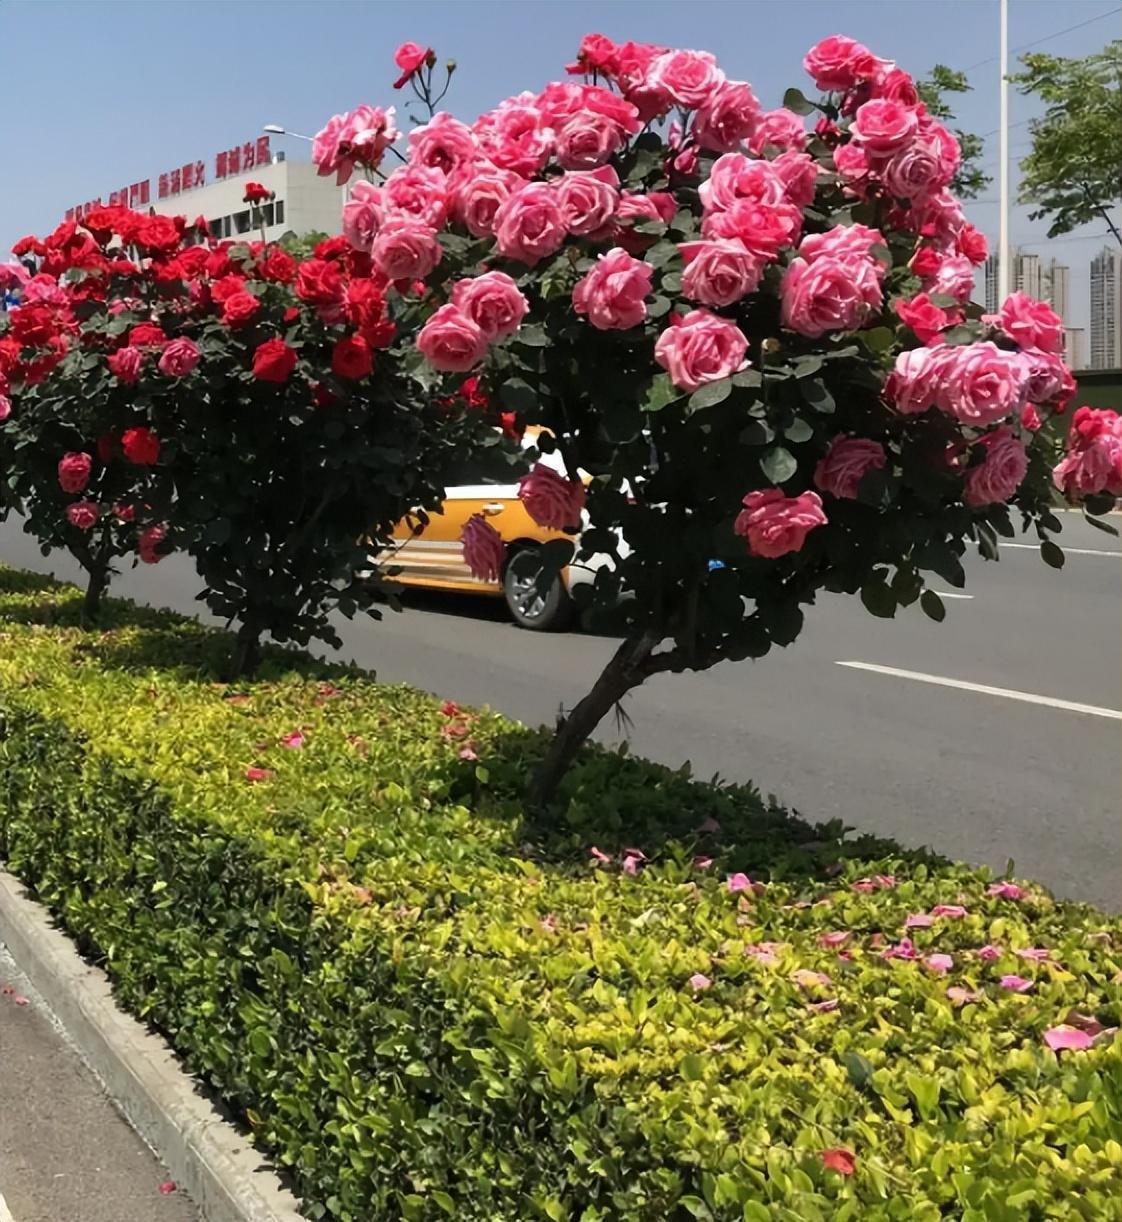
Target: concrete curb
{"points": [[208, 1158]]}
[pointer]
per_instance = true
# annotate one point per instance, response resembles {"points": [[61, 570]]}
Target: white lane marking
{"points": [[5, 1213], [1068, 551], [1069, 706], [948, 594]]}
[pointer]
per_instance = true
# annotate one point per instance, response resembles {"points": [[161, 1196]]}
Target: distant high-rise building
{"points": [[1026, 276], [1075, 352], [1106, 309], [1054, 287]]}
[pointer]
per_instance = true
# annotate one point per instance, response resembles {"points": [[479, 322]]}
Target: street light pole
{"points": [[1003, 268], [275, 129]]}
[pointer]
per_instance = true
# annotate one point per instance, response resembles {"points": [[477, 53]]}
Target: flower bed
{"points": [[685, 1003]]}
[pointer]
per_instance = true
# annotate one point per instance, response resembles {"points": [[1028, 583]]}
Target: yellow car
{"points": [[432, 558]]}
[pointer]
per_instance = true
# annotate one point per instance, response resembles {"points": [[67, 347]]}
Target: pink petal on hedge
{"points": [[468, 752], [918, 920], [738, 882], [841, 1161], [1038, 954], [885, 881], [1006, 891], [989, 953], [699, 982], [293, 741], [949, 910], [1018, 984], [1065, 1038], [939, 963], [259, 774], [823, 1007], [834, 938], [963, 997], [549, 922], [702, 863], [1084, 1022], [902, 950], [598, 855], [864, 885]]}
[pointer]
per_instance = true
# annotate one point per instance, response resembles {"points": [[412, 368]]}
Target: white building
{"points": [[1106, 309], [304, 202]]}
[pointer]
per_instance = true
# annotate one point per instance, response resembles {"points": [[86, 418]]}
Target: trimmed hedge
{"points": [[424, 1010]]}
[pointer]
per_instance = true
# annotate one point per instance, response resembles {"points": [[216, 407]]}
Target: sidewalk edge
{"points": [[208, 1158]]}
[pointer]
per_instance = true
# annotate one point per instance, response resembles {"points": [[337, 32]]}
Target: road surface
{"points": [[862, 719], [65, 1153]]}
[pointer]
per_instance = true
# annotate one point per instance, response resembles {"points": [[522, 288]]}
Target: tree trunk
{"points": [[247, 652], [626, 670], [96, 584]]}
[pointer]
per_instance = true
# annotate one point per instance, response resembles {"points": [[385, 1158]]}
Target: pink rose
{"points": [[1094, 459], [799, 172], [727, 118], [179, 358], [125, 364], [841, 242], [882, 126], [587, 140], [734, 177], [529, 226], [1032, 323], [612, 293], [838, 63], [719, 272], [410, 56], [897, 85], [925, 165], [955, 277], [763, 228], [830, 294], [1030, 418], [5, 408], [363, 214], [972, 244], [689, 77], [1000, 473], [451, 342], [985, 384], [514, 135], [781, 128], [493, 302], [405, 249], [701, 348], [633, 72], [851, 163], [74, 471], [418, 193], [844, 466], [654, 206], [149, 542], [443, 144], [920, 378], [550, 499], [588, 199], [938, 216], [925, 318], [83, 514], [478, 195], [483, 549], [775, 525]]}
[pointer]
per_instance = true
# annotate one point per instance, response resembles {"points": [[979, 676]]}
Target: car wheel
{"points": [[529, 608]]}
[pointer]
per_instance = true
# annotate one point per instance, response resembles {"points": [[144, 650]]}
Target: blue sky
{"points": [[101, 93]]}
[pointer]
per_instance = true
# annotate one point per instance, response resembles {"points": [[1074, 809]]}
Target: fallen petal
{"points": [[939, 963], [699, 982], [1065, 1038], [1017, 984]]}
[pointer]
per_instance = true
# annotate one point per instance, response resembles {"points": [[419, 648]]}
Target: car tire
{"points": [[528, 608]]}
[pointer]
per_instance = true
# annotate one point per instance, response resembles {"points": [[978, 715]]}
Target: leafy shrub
{"points": [[423, 1014]]}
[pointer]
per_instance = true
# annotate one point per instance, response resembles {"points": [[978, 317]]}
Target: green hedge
{"points": [[425, 1010]]}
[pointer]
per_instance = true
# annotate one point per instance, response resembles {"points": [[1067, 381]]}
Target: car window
{"points": [[491, 468]]}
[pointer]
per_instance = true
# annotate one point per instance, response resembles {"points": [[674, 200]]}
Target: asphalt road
{"points": [[65, 1153], [980, 775]]}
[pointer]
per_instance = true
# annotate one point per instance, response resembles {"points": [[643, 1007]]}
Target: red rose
{"points": [[322, 397], [218, 264], [158, 233], [239, 309], [9, 355], [351, 357], [74, 472], [926, 262], [291, 314], [255, 193], [379, 334], [34, 324], [125, 364], [28, 246], [201, 226], [332, 248], [141, 446], [101, 222], [278, 266], [512, 427], [192, 261], [147, 335], [321, 284], [226, 286], [273, 361]]}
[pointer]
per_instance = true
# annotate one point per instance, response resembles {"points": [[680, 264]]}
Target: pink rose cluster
{"points": [[1093, 463], [484, 310], [978, 384], [359, 137]]}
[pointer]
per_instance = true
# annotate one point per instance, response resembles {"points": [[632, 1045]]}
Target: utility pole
{"points": [[1003, 268]]}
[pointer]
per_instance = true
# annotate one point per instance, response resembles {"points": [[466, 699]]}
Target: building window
{"points": [[278, 212], [241, 221]]}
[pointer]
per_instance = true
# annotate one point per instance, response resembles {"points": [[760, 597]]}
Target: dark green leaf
{"points": [[879, 599], [933, 606], [795, 100], [817, 394], [517, 395], [798, 430], [878, 339], [710, 394], [858, 1068], [660, 392], [778, 464], [1052, 555]]}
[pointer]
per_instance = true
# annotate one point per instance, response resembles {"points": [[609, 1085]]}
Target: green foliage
{"points": [[424, 1010], [302, 245], [970, 181], [1073, 175]]}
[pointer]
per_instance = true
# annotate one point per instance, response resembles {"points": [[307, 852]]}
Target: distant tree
{"points": [[970, 181], [1074, 173]]}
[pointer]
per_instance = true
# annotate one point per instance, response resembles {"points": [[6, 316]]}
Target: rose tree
{"points": [[755, 340]]}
